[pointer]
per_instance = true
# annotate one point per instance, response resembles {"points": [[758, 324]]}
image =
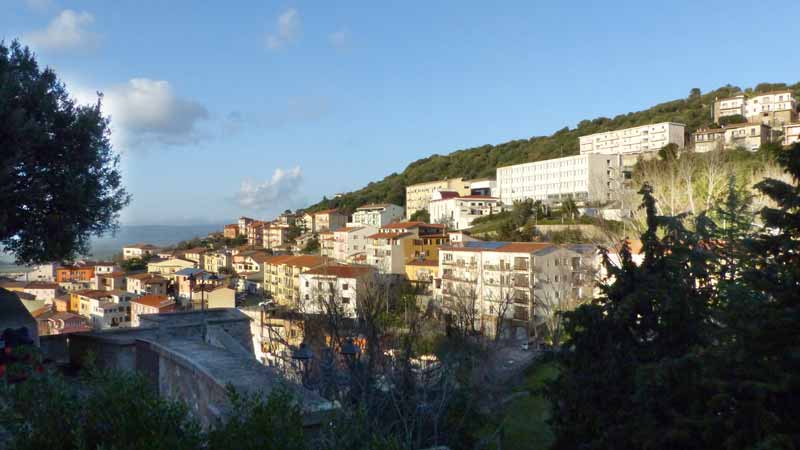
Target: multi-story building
{"points": [[42, 290], [497, 285], [168, 267], [138, 251], [392, 246], [282, 276], [218, 261], [708, 139], [459, 211], [483, 186], [749, 136], [791, 133], [423, 274], [274, 235], [114, 281], [418, 196], [249, 261], [589, 177], [146, 283], [230, 231], [243, 223], [255, 233], [631, 142], [770, 108], [340, 286], [350, 243], [150, 304], [103, 309], [329, 220], [75, 273], [326, 243], [377, 215]]}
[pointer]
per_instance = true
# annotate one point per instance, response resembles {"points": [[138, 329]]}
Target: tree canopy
{"points": [[59, 176]]}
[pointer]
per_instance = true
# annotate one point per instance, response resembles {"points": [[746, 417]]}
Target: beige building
{"points": [[282, 276], [274, 235], [708, 139], [770, 108], [749, 136], [392, 246], [634, 141], [350, 243], [791, 133], [418, 196], [340, 285], [168, 267], [329, 220], [146, 283], [217, 261], [326, 243], [138, 251]]}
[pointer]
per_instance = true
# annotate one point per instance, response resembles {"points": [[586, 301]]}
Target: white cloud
{"points": [[67, 31], [339, 39], [146, 111], [277, 193], [288, 27]]}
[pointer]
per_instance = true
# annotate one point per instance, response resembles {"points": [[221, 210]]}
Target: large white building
{"points": [[590, 177], [459, 211], [634, 141], [377, 215], [518, 282], [334, 288], [350, 243]]}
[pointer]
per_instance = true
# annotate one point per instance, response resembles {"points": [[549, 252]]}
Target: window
{"points": [[345, 286], [345, 301]]}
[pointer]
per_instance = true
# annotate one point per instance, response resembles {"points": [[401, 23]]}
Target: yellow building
{"points": [[282, 276], [423, 274]]}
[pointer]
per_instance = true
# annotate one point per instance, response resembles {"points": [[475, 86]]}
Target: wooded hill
{"points": [[695, 111]]}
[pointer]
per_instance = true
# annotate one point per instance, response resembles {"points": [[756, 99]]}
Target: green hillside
{"points": [[695, 111]]}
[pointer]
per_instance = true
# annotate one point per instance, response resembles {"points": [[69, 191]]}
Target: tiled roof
{"points": [[327, 211], [155, 301], [148, 278], [375, 206], [341, 271], [447, 194], [413, 224], [92, 293], [388, 235]]}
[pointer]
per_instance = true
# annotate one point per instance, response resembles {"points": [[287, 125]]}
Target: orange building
{"points": [[74, 273]]}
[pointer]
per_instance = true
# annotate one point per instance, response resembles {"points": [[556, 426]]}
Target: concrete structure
{"points": [[499, 283], [334, 288], [708, 139], [217, 261], [589, 177], [14, 315], [424, 275], [102, 309], [138, 251], [75, 273], [274, 235], [168, 267], [249, 261], [393, 245], [485, 186], [243, 223], [326, 243], [41, 272], [791, 133], [328, 220], [42, 290], [634, 141], [111, 281], [770, 108], [749, 136], [350, 242], [213, 296], [192, 357], [377, 215], [418, 196], [459, 211], [149, 304]]}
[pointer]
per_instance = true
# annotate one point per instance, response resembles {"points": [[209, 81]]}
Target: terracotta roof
{"points": [[12, 284], [92, 293], [341, 271], [635, 245], [63, 315], [306, 260], [114, 274], [41, 285], [374, 206], [447, 194], [413, 224], [327, 211], [42, 312], [148, 278], [388, 235], [275, 260], [155, 301], [347, 229]]}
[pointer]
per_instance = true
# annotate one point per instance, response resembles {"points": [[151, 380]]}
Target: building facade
{"points": [[329, 220], [139, 251], [334, 288], [791, 133], [282, 276], [377, 215], [590, 177], [392, 246], [350, 242], [459, 211], [149, 304], [771, 108], [634, 141]]}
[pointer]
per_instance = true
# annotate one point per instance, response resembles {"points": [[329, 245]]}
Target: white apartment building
{"points": [[791, 133], [770, 108], [339, 286], [515, 282], [350, 243], [216, 261], [138, 251], [589, 177], [459, 211], [377, 215], [634, 141]]}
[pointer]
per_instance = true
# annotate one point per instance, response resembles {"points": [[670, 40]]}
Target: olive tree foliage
{"points": [[59, 176]]}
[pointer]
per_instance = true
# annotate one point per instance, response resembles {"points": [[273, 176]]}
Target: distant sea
{"points": [[107, 246]]}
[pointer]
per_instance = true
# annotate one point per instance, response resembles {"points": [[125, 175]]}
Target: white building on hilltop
{"points": [[634, 141], [458, 211], [377, 215], [591, 177], [770, 108]]}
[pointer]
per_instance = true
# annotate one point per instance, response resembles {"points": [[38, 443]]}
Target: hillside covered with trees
{"points": [[695, 111]]}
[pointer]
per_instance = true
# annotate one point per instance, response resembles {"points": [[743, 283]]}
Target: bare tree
{"points": [[714, 171]]}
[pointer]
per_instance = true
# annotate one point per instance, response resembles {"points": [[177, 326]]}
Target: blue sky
{"points": [[228, 108]]}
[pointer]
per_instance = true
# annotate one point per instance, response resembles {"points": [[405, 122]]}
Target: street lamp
{"points": [[303, 355], [350, 350]]}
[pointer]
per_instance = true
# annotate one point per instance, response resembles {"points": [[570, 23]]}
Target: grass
{"points": [[525, 419]]}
